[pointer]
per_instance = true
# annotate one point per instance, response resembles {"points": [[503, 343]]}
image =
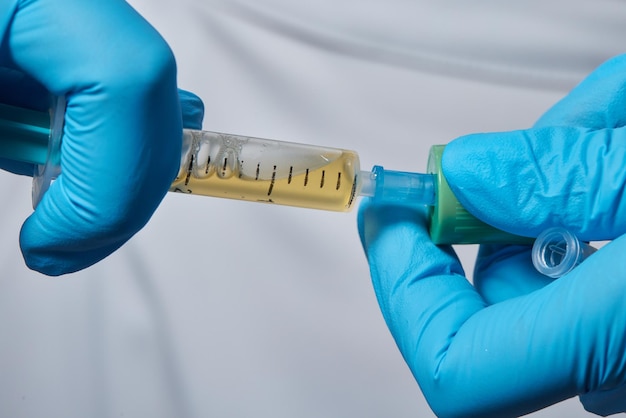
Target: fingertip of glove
{"points": [[57, 259], [35, 257], [192, 109], [460, 156], [67, 234], [375, 219], [477, 166], [371, 217]]}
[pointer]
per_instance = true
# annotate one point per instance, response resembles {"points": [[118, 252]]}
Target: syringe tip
{"points": [[368, 183], [399, 187]]}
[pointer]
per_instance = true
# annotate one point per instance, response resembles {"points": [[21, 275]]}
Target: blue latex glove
{"points": [[517, 341], [122, 136]]}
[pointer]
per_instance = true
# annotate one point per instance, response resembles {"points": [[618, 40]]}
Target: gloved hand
{"points": [[516, 341], [122, 136]]}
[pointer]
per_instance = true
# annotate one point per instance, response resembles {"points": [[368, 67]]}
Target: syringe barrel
{"points": [[451, 223], [212, 164], [269, 171]]}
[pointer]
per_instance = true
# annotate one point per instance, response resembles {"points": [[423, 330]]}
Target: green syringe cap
{"points": [[450, 223]]}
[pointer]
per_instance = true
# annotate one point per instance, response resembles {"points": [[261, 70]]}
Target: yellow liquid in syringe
{"points": [[330, 185]]}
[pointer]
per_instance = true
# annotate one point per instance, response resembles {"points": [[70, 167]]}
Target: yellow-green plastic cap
{"points": [[450, 223]]}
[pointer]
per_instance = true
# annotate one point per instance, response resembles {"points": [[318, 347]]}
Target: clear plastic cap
{"points": [[557, 251]]}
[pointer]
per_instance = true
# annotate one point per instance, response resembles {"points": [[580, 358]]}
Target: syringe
{"points": [[270, 171]]}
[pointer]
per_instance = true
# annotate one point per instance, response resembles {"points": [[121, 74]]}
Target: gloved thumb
{"points": [[526, 181]]}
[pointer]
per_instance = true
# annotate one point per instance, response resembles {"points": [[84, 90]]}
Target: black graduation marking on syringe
{"points": [[290, 174], [241, 169], [189, 170], [224, 165], [322, 180], [208, 165], [306, 177], [258, 170], [353, 191], [338, 181], [269, 192]]}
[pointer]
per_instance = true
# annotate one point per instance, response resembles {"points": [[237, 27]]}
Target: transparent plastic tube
{"points": [[268, 171], [229, 166], [287, 173]]}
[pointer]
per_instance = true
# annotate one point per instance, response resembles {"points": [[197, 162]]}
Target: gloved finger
{"points": [[509, 358], [526, 181], [122, 122], [591, 104], [503, 272], [192, 109], [596, 103], [422, 292], [605, 402], [414, 280]]}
